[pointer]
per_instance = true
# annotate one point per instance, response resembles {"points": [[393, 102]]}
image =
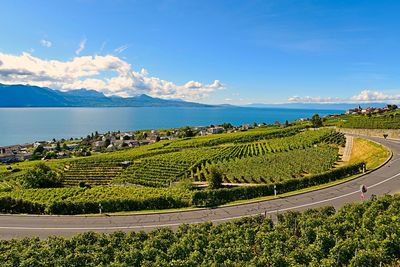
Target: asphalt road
{"points": [[385, 180]]}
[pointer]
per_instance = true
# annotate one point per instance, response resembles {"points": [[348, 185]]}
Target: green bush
{"points": [[214, 178], [12, 205], [75, 200], [41, 176]]}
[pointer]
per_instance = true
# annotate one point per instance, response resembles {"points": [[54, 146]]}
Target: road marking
{"points": [[177, 224]]}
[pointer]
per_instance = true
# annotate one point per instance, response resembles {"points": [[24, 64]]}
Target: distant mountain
{"points": [[338, 106], [34, 96]]}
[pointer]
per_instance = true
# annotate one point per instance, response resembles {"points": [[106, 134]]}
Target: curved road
{"points": [[385, 180]]}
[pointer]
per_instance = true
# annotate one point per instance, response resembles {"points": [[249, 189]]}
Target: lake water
{"points": [[26, 125]]}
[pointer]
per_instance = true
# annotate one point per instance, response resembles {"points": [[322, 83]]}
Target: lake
{"points": [[26, 125]]}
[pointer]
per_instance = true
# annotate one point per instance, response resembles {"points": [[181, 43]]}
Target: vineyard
{"points": [[162, 170], [163, 163], [274, 167], [365, 234], [238, 137], [96, 173], [299, 141], [150, 176], [389, 121]]}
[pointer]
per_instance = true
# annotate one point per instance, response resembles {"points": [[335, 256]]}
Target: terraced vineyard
{"points": [[147, 177], [238, 137], [160, 166], [389, 120], [161, 170], [164, 163], [96, 173], [274, 168], [299, 141]]}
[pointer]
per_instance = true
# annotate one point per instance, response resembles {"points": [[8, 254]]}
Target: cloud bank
{"points": [[108, 74], [363, 97]]}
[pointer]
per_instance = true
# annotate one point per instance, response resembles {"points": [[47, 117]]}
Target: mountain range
{"points": [[34, 96]]}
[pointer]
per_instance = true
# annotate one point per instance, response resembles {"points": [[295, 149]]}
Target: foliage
{"points": [[76, 200], [225, 195], [390, 120], [277, 167], [365, 234], [316, 121], [41, 176], [163, 169], [238, 137], [214, 178]]}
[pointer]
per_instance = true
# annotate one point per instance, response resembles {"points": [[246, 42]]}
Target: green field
{"points": [[388, 120], [157, 176]]}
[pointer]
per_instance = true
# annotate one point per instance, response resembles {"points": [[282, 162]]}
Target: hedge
{"points": [[115, 205], [207, 198], [12, 205]]}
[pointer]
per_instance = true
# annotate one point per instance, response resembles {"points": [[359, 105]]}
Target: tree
{"points": [[58, 147], [186, 132], [316, 121], [41, 176], [39, 149], [38, 152], [107, 142], [214, 178], [227, 126]]}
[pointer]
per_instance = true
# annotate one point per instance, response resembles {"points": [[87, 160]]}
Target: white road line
{"points": [[177, 224]]}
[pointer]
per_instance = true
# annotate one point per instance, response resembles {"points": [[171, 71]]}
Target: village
{"points": [[370, 110]]}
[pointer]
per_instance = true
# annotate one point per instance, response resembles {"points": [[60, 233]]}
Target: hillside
{"points": [[162, 175], [34, 96]]}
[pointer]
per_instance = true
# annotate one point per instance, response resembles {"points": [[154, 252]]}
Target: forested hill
{"points": [[34, 96]]}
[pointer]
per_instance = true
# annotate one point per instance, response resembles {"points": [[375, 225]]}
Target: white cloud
{"points": [[82, 45], [46, 43], [363, 97], [120, 49], [87, 72], [314, 99], [368, 95]]}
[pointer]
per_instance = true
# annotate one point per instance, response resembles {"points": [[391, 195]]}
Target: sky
{"points": [[209, 51]]}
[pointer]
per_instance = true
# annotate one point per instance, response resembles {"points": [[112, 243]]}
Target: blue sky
{"points": [[208, 51]]}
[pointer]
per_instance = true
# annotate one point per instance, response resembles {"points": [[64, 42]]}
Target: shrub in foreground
{"points": [[365, 234]]}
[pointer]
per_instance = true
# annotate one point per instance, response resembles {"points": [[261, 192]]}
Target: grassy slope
{"points": [[372, 153]]}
